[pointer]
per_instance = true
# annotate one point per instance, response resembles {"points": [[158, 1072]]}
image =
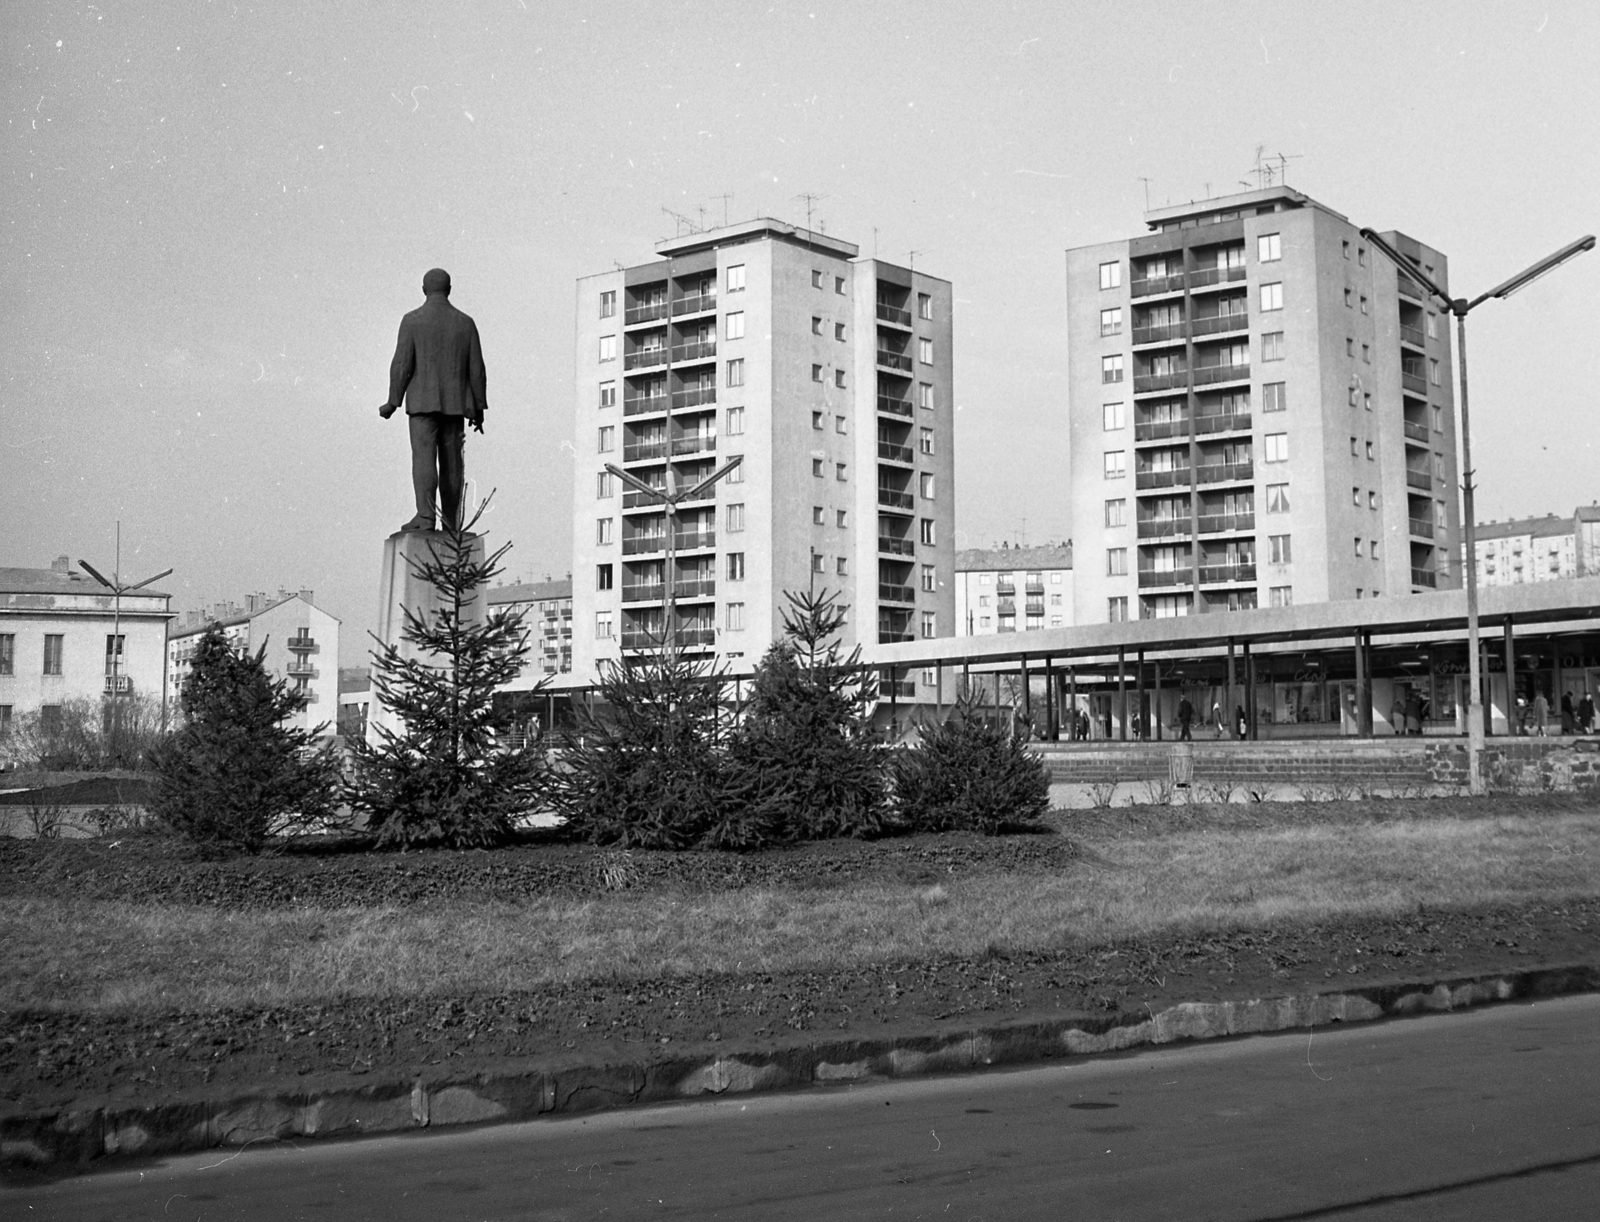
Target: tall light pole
{"points": [[118, 590], [670, 501], [1461, 307]]}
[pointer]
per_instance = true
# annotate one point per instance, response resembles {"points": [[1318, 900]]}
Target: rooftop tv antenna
{"points": [[1272, 168], [684, 223], [724, 198], [911, 258], [1147, 182], [811, 200]]}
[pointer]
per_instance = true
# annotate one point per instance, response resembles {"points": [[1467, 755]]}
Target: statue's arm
{"points": [[401, 368], [479, 379]]}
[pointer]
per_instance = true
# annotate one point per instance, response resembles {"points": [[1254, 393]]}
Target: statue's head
{"points": [[436, 281]]}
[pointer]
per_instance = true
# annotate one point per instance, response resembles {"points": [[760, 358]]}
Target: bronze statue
{"points": [[438, 371]]}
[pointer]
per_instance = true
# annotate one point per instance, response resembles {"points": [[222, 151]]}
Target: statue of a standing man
{"points": [[438, 372]]}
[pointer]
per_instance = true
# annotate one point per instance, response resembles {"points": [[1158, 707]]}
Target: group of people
{"points": [[1409, 712]]}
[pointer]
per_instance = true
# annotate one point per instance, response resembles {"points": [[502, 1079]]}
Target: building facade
{"points": [[301, 642], [1261, 414], [63, 636], [546, 608], [830, 376], [1013, 589], [1550, 548]]}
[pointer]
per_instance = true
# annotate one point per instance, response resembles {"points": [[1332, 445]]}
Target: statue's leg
{"points": [[424, 465], [452, 468]]}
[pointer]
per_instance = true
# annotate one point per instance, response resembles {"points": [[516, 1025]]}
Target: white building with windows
{"points": [[1550, 548], [1013, 589], [546, 608]]}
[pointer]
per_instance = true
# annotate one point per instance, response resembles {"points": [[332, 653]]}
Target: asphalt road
{"points": [[1487, 1114]]}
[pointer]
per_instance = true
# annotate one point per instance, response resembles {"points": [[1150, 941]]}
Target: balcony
{"points": [[1006, 589], [1412, 336], [894, 360], [1206, 277], [1425, 577], [701, 636], [121, 683], [640, 638], [1158, 334], [700, 350], [647, 311], [695, 443], [1156, 578], [1416, 432], [642, 500], [894, 453], [1219, 324], [1165, 528], [893, 314], [1207, 375], [694, 396], [1149, 286], [1223, 574], [1414, 382], [642, 405], [1421, 528], [895, 407], [1216, 523], [896, 594], [1222, 422], [896, 500], [301, 670], [890, 636], [1146, 383], [1224, 472], [643, 451], [898, 687], [645, 358], [1419, 479], [694, 540], [644, 592], [890, 546], [1407, 286], [1155, 430], [698, 304], [1177, 477], [641, 545], [303, 644], [695, 588]]}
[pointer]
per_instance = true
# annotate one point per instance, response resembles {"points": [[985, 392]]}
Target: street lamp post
{"points": [[670, 502], [118, 589], [1461, 307]]}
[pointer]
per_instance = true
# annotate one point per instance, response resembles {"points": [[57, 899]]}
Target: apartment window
{"points": [[925, 480], [1277, 498], [1432, 324], [1438, 466], [1269, 247], [602, 531], [1349, 345], [736, 517], [841, 566], [602, 576], [1355, 497], [736, 278], [930, 578], [925, 396], [925, 306], [735, 567], [816, 373], [927, 535], [1278, 551], [838, 331], [1366, 401], [841, 471], [1358, 547], [608, 304], [1274, 397], [1055, 579], [1116, 562], [816, 325], [735, 425], [841, 518], [1275, 447], [1372, 548], [819, 562], [1110, 369], [838, 377], [1271, 297], [733, 325], [1366, 353], [1355, 447], [838, 285], [819, 467], [1111, 321], [817, 419], [1281, 596], [930, 623], [1352, 396], [608, 394], [1117, 609], [736, 372], [605, 485], [1272, 346], [1438, 418], [985, 579], [608, 438], [736, 476], [925, 351], [608, 347], [1370, 456], [1433, 371], [1114, 417], [1349, 299], [1372, 499], [1361, 255], [602, 625], [816, 278], [8, 653], [984, 621], [1110, 275], [839, 425], [1116, 464], [1116, 512], [735, 617], [925, 441], [1363, 304]]}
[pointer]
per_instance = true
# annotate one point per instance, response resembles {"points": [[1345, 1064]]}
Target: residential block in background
{"points": [[1013, 589]]}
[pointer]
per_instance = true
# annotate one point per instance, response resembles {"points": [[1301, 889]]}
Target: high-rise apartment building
{"points": [[830, 375], [1261, 414]]}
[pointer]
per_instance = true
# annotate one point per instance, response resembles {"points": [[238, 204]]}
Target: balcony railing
{"points": [[1144, 383], [645, 358], [303, 644], [1214, 523], [698, 351], [1216, 574], [1165, 528], [895, 500], [697, 304], [1414, 382], [700, 636], [641, 500], [1222, 422], [693, 396], [894, 314], [1219, 324], [1416, 432], [896, 594], [642, 404], [1425, 577], [647, 311], [1205, 276], [1176, 477], [895, 453], [1165, 577], [1412, 335], [646, 592], [891, 546], [1407, 286], [890, 636], [640, 638], [1206, 375], [1421, 528], [301, 670], [1006, 589], [694, 540], [1155, 430], [639, 545], [695, 588], [1419, 479], [898, 687], [1158, 333], [895, 407], [1148, 286], [643, 451], [696, 443], [894, 360], [1223, 472]]}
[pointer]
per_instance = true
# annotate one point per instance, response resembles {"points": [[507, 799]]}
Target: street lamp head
{"points": [[1542, 268]]}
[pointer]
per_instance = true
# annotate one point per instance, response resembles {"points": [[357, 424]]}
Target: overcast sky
{"points": [[215, 215]]}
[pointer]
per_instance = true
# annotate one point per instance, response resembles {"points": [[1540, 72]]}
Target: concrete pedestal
{"points": [[399, 588]]}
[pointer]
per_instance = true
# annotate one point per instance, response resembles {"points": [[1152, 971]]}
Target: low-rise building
{"points": [[1013, 589], [547, 615], [1549, 548]]}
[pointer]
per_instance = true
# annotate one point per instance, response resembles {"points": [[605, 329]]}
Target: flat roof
{"points": [[1004, 559], [745, 231], [531, 591]]}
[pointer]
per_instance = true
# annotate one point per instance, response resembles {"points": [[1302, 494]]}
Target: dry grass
{"points": [[81, 955]]}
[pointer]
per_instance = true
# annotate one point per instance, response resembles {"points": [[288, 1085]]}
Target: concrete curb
{"points": [[57, 1139]]}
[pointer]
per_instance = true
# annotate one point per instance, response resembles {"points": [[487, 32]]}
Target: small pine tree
{"points": [[806, 744], [968, 774], [235, 774], [451, 774]]}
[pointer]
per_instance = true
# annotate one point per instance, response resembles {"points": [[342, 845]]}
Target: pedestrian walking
{"points": [[1216, 717], [1586, 713], [1240, 725], [1569, 714], [1397, 715], [1185, 716], [1541, 714], [1413, 713]]}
